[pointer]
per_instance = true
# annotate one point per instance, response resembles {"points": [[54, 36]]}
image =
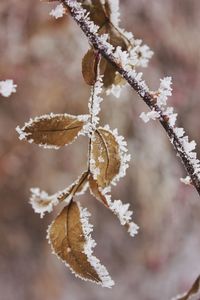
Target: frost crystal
{"points": [[152, 115], [88, 249], [164, 91], [41, 202], [115, 90], [58, 12], [186, 180], [121, 211], [169, 112], [140, 54], [115, 15], [94, 104], [7, 87]]}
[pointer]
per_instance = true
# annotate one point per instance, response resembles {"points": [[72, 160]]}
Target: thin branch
{"points": [[78, 14]]}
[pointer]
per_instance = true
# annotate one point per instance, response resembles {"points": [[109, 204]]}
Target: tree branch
{"points": [[190, 163]]}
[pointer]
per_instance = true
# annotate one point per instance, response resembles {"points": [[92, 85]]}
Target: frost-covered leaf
{"points": [[53, 130], [105, 158], [115, 38], [77, 188], [94, 190], [70, 237], [195, 289], [89, 67], [43, 203], [97, 11]]}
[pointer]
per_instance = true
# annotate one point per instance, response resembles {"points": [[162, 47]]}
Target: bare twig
{"points": [[96, 41]]}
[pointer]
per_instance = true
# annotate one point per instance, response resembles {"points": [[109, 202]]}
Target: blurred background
{"points": [[43, 56]]}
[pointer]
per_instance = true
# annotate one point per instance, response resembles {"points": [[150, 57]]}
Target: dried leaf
{"points": [[193, 291], [42, 202], [94, 189], [77, 188], [105, 158], [97, 11], [54, 130], [116, 38], [70, 238], [89, 67]]}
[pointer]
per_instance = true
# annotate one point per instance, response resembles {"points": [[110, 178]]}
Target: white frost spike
{"points": [[121, 211], [152, 115], [186, 180], [122, 56], [115, 90], [58, 12], [7, 87], [89, 246], [115, 15], [94, 103], [41, 202], [140, 54], [171, 115], [179, 132], [164, 91]]}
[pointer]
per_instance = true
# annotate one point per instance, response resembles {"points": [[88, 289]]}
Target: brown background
{"points": [[43, 56]]}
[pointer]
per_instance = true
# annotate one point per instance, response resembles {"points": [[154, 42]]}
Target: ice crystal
{"points": [[152, 115], [186, 180], [58, 12], [7, 87]]}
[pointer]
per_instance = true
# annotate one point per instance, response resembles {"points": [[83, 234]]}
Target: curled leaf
{"points": [[53, 130], [71, 241], [95, 191], [43, 203], [89, 67], [195, 289], [105, 158]]}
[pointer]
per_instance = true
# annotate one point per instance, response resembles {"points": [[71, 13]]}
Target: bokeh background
{"points": [[43, 56]]}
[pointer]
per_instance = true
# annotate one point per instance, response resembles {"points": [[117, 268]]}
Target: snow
{"points": [[58, 12], [7, 87]]}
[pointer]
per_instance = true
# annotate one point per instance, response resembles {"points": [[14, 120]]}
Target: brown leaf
{"points": [[194, 290], [97, 11], [77, 188], [116, 38], [94, 190], [54, 130], [105, 157], [67, 237], [89, 67], [42, 202]]}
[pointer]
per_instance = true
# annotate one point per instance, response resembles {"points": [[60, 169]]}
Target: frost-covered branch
{"points": [[156, 101]]}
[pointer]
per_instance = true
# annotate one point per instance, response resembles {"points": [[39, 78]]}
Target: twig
{"points": [[78, 13]]}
